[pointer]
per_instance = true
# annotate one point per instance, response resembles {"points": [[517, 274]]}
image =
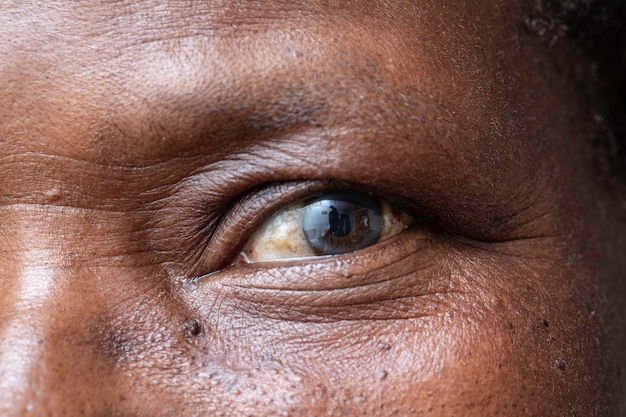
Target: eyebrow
{"points": [[367, 104], [201, 125], [258, 99]]}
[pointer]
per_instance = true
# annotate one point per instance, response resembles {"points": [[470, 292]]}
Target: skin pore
{"points": [[143, 143]]}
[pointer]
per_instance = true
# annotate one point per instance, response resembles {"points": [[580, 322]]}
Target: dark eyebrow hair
{"points": [[257, 108]]}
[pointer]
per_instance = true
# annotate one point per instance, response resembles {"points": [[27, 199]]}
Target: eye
{"points": [[329, 224]]}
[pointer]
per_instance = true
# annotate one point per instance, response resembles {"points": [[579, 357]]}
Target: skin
{"points": [[141, 144]]}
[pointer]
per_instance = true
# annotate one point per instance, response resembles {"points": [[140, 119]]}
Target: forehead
{"points": [[153, 20], [431, 84], [131, 56], [204, 37]]}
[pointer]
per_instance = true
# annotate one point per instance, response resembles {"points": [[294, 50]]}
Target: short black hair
{"points": [[597, 29]]}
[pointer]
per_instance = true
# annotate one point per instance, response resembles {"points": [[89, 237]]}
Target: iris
{"points": [[340, 223]]}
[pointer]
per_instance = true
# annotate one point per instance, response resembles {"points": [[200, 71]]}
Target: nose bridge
{"points": [[42, 345], [21, 332], [74, 308], [23, 316]]}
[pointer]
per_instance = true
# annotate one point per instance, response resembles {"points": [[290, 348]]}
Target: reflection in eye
{"points": [[331, 224]]}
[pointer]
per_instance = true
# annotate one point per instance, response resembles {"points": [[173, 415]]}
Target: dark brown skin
{"points": [[129, 130]]}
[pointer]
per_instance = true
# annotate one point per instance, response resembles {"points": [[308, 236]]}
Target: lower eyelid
{"points": [[334, 271], [403, 281]]}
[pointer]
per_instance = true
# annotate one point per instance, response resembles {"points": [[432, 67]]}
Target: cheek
{"points": [[449, 330], [472, 333]]}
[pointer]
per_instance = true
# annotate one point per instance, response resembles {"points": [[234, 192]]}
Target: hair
{"points": [[596, 29]]}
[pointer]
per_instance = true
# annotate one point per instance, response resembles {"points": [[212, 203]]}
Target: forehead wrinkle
{"points": [[189, 99], [110, 26], [154, 21], [129, 22]]}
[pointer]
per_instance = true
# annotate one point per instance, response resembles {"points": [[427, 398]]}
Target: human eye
{"points": [[327, 224]]}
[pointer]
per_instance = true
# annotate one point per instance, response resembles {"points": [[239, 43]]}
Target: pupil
{"points": [[340, 223]]}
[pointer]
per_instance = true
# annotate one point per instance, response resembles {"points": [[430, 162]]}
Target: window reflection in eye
{"points": [[337, 223], [329, 224]]}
